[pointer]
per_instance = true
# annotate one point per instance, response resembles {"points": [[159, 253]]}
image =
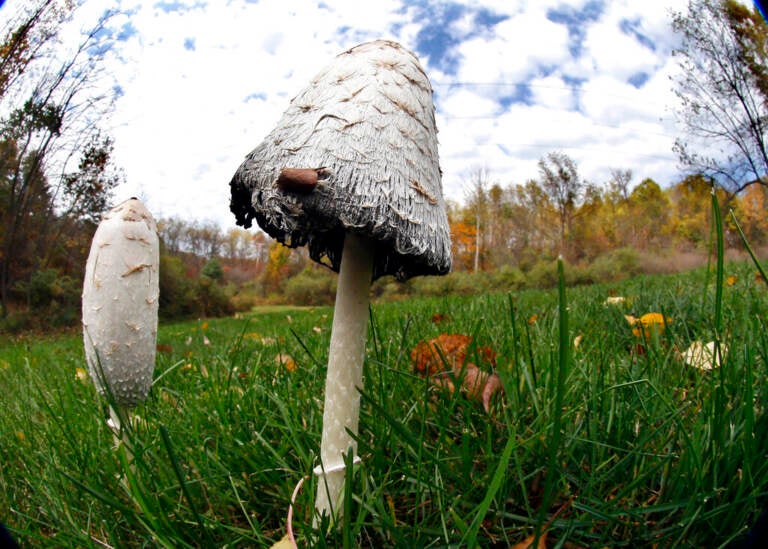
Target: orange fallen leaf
{"points": [[164, 348], [287, 361], [437, 318], [446, 351], [527, 543]]}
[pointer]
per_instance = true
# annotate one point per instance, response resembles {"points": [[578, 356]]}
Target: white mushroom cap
{"points": [[362, 140], [120, 303]]}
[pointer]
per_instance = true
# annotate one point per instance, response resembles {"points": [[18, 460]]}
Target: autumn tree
{"points": [[752, 213], [463, 242], [561, 181], [55, 169], [723, 90], [533, 222], [478, 182], [646, 225]]}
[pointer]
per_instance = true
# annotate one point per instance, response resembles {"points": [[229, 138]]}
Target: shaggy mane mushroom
{"points": [[351, 171]]}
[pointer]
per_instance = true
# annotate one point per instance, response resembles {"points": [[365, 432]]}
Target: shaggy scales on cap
{"points": [[355, 151]]}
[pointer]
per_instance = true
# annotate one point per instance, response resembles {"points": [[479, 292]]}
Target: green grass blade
{"points": [[183, 484]]}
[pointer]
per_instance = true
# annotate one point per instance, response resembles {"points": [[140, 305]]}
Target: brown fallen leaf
{"points": [[164, 348], [437, 318], [527, 543]]}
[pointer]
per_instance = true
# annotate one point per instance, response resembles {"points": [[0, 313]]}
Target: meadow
{"points": [[604, 437]]}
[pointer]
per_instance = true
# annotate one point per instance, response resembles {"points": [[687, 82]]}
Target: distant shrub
{"points": [[506, 279], [543, 274], [312, 286], [213, 299], [246, 297], [615, 266], [177, 295], [16, 322], [53, 301]]}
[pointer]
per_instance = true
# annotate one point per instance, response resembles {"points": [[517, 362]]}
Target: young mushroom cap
{"points": [[120, 303], [356, 151]]}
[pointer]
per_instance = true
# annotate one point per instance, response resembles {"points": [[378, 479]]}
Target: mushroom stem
{"points": [[345, 371], [118, 428]]}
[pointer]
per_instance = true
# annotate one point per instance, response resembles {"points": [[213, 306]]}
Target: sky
{"points": [[201, 82]]}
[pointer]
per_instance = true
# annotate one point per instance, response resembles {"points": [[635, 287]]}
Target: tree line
{"points": [[57, 177]]}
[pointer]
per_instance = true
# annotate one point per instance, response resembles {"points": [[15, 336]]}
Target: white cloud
{"points": [[522, 44], [203, 86], [551, 92]]}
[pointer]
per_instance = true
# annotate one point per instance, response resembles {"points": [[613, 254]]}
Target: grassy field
{"points": [[612, 442]]}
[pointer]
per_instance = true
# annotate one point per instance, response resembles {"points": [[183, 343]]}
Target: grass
{"points": [[629, 445]]}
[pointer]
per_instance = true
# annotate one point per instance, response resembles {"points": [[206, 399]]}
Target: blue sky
{"points": [[203, 81]]}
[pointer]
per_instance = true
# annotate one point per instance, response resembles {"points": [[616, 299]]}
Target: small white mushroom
{"points": [[351, 170], [120, 302]]}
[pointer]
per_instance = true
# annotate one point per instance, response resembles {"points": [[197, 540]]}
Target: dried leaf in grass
{"points": [[438, 318], [446, 351], [703, 356], [528, 542], [648, 324], [286, 360], [475, 384]]}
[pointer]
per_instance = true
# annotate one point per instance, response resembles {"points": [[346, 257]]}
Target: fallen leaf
{"points": [[446, 351], [492, 387], [648, 324], [702, 356], [527, 543], [438, 318], [475, 384], [287, 361], [614, 300], [164, 348]]}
